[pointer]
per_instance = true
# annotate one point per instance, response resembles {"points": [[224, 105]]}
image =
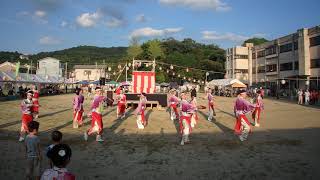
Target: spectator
{"points": [[56, 137], [32, 144], [300, 96], [60, 156]]}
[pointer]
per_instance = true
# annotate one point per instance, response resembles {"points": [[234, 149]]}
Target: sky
{"points": [[32, 26]]}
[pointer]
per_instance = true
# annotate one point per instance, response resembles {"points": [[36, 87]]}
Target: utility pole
{"points": [[66, 72]]}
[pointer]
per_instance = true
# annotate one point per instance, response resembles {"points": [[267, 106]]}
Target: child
{"points": [[56, 137], [96, 115], [185, 118], [173, 103], [122, 102], [60, 156], [35, 100], [139, 112], [194, 116], [211, 112], [241, 108], [78, 108], [257, 111], [27, 116], [32, 144]]}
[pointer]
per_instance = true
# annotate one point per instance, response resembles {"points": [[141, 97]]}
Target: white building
{"points": [[292, 61], [89, 72], [50, 66]]}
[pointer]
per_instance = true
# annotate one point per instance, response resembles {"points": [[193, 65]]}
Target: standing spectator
{"points": [[60, 156], [307, 97], [261, 92], [300, 96], [56, 137], [32, 144]]}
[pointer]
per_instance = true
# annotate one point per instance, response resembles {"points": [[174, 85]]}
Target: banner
{"points": [[17, 68]]}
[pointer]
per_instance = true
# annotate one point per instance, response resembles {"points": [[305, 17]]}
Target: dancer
{"points": [[26, 109], [96, 115], [211, 112], [241, 108], [257, 111], [122, 103], [35, 100], [185, 118], [173, 103], [78, 109], [194, 115], [139, 112]]}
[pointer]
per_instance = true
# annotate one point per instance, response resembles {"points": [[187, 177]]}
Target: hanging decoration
{"points": [[160, 68], [171, 67], [187, 69]]}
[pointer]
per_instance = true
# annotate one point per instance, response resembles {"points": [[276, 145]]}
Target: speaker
{"points": [[102, 81]]}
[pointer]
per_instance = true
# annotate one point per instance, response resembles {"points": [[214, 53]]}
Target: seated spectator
{"points": [[60, 156]]}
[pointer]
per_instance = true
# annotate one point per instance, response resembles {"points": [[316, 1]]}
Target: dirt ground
{"points": [[285, 146]]}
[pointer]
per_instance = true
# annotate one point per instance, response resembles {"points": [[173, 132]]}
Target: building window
{"points": [[261, 53], [295, 45], [271, 68], [315, 41], [254, 70], [253, 55], [271, 50], [286, 48], [296, 65], [286, 66], [241, 71], [315, 63], [261, 69], [241, 56]]}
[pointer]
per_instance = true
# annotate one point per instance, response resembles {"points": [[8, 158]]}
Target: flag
{"points": [[17, 68]]}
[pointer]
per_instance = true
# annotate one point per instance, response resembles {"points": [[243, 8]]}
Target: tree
{"points": [[155, 49], [255, 41], [134, 51]]}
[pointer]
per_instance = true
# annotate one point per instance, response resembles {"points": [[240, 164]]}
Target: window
{"points": [[315, 63], [261, 53], [315, 41], [254, 70], [261, 69], [296, 65], [271, 50], [253, 55], [286, 66], [271, 68], [241, 56], [295, 45], [241, 70], [286, 48]]}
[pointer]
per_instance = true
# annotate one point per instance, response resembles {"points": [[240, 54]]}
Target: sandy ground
{"points": [[286, 146]]}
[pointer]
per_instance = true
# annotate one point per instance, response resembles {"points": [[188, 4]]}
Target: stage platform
{"points": [[154, 100]]}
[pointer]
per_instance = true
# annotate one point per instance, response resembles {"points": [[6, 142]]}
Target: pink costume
{"points": [[96, 112], [121, 108], [77, 110], [173, 103], [211, 112], [185, 120], [141, 121], [257, 111], [242, 126], [194, 116], [26, 109]]}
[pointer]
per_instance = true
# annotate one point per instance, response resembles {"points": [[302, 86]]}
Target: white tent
{"points": [[223, 82]]}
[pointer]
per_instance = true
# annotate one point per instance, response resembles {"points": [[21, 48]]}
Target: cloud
{"points": [[141, 18], [48, 40], [216, 5], [88, 20], [213, 35], [114, 22], [64, 24], [40, 14], [150, 32]]}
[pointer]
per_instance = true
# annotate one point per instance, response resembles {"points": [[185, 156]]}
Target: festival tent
{"points": [[112, 83], [226, 82]]}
